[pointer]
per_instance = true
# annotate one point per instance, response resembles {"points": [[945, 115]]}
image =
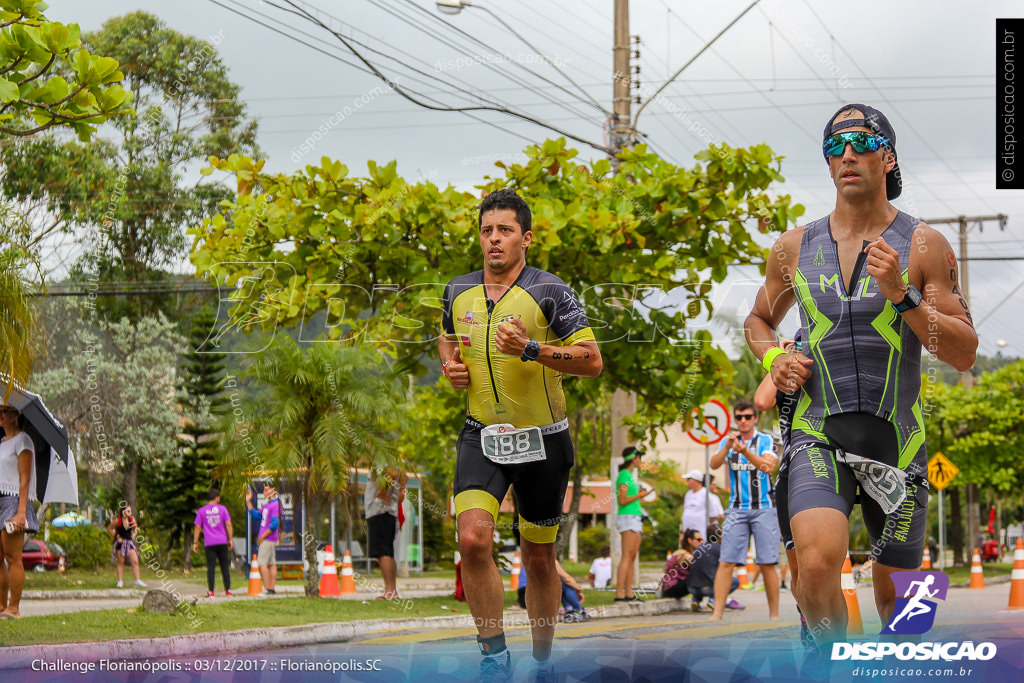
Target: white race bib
{"points": [[505, 445], [886, 484]]}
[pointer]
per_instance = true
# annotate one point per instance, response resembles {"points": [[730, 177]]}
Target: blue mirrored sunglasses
{"points": [[859, 140]]}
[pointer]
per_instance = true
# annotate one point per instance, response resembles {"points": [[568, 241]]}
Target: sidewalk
{"points": [[36, 603], [210, 643], [42, 602]]}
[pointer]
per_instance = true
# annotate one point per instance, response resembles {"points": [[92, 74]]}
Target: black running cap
{"points": [[876, 121]]}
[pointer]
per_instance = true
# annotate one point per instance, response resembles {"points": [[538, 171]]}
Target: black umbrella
{"points": [[48, 434]]}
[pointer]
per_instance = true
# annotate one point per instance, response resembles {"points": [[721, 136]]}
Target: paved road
{"points": [[745, 646], [671, 647]]}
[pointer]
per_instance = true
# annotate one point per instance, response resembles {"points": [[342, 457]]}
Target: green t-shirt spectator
{"points": [[628, 478]]}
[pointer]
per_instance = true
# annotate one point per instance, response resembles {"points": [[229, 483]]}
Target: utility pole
{"points": [[621, 135], [621, 132], [967, 380]]}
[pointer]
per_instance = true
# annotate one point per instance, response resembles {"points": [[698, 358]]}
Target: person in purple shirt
{"points": [[215, 523], [269, 517]]}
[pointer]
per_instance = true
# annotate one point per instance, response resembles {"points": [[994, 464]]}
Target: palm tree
{"points": [[17, 321], [317, 411]]}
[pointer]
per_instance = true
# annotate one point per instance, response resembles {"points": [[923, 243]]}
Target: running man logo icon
{"points": [[916, 593]]}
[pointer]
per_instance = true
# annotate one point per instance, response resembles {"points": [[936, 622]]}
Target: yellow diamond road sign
{"points": [[941, 471]]}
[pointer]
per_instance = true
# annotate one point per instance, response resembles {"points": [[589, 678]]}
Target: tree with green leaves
{"points": [[185, 481], [116, 390], [133, 189], [311, 414], [17, 321], [49, 79], [641, 248], [980, 429]]}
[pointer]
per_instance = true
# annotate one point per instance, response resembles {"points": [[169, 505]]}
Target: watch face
{"points": [[912, 299]]}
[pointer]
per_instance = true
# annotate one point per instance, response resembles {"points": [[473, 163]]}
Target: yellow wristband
{"points": [[770, 355]]}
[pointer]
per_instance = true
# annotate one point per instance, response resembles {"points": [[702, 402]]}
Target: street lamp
{"points": [[451, 6]]}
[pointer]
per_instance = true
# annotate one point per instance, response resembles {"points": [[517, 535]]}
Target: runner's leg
{"points": [[480, 577], [544, 595], [822, 536], [885, 592]]}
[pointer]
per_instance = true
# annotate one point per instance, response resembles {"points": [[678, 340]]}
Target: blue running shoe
{"points": [[544, 674], [496, 668]]}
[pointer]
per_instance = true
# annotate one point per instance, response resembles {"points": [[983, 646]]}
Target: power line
{"points": [[438, 19], [554, 66], [922, 138], [407, 93], [706, 47], [340, 59], [125, 292]]}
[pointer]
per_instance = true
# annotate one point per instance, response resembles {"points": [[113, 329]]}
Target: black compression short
{"points": [[816, 480], [539, 486]]}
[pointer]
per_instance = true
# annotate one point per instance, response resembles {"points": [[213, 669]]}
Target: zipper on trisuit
{"points": [[487, 351], [854, 277]]}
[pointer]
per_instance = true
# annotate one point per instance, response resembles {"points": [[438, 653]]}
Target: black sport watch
{"points": [[531, 351], [912, 299]]}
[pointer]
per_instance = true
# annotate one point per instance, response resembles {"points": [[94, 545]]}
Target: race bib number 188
{"points": [[506, 445]]}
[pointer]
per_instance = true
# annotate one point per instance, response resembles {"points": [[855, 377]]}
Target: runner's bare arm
{"points": [[451, 362], [764, 396], [582, 359], [942, 322], [789, 371]]}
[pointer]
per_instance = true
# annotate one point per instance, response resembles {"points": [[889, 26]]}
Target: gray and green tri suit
{"points": [[864, 394]]}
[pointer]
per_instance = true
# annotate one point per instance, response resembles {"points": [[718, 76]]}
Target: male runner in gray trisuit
{"points": [[873, 284]]}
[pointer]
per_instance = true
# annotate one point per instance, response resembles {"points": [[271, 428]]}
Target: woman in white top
{"points": [[17, 513]]}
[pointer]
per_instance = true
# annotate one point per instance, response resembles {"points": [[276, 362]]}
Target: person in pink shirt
{"points": [[269, 517], [215, 523]]}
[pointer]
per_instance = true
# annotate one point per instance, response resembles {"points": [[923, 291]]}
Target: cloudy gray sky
{"points": [[774, 77]]}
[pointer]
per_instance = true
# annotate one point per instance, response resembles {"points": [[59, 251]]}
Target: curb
{"points": [[429, 590], [201, 644]]}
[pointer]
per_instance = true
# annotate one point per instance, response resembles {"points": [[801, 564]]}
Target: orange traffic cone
{"points": [[60, 565], [854, 626], [255, 585], [517, 567], [741, 574], [1017, 578], [668, 555], [348, 580], [329, 575], [926, 561], [977, 578]]}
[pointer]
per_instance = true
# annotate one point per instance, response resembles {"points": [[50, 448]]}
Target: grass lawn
{"points": [[79, 579], [990, 569], [229, 616]]}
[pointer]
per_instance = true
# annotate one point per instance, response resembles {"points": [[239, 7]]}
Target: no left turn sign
{"points": [[715, 425]]}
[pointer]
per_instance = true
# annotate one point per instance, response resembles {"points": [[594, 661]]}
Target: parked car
{"points": [[39, 556]]}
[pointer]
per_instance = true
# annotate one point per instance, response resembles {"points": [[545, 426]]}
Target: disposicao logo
{"points": [[915, 610], [913, 614]]}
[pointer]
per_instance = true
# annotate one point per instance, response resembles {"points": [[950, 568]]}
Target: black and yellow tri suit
{"points": [[503, 389]]}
